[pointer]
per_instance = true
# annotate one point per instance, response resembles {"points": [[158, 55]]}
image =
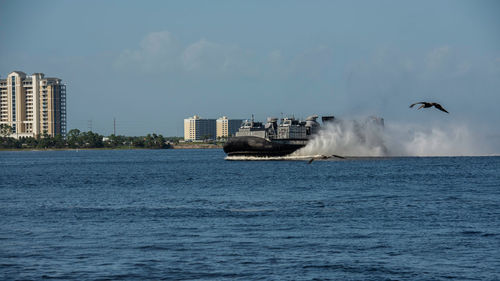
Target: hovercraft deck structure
{"points": [[272, 139]]}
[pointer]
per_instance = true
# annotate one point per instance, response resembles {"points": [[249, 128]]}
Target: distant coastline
{"points": [[89, 140], [197, 146], [173, 146]]}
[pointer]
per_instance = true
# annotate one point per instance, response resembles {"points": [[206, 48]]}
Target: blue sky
{"points": [[150, 64]]}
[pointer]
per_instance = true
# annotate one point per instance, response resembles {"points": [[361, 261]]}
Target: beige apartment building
{"points": [[227, 127], [33, 105], [197, 129]]}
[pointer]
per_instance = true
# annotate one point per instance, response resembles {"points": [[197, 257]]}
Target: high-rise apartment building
{"points": [[227, 127], [196, 129], [33, 105]]}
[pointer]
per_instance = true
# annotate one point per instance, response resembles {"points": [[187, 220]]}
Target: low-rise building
{"points": [[227, 127], [199, 129]]}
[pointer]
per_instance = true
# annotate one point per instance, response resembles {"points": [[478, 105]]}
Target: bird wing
{"points": [[438, 106], [412, 105], [310, 161]]}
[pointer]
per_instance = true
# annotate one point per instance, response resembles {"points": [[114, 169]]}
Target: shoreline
{"points": [[197, 146], [194, 146], [187, 147]]}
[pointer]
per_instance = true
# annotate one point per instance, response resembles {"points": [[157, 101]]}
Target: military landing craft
{"points": [[273, 139]]}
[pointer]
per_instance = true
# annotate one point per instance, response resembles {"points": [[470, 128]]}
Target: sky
{"points": [[150, 64]]}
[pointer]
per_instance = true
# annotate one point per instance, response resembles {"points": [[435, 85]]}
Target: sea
{"points": [[193, 215]]}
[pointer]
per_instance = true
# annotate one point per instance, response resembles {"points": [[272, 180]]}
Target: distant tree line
{"points": [[77, 139]]}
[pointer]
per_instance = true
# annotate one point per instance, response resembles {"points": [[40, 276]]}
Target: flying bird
{"points": [[429, 104]]}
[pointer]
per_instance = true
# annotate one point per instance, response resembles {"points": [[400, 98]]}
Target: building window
{"points": [[14, 101]]}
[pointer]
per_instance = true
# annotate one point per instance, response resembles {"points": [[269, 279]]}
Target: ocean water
{"points": [[191, 215]]}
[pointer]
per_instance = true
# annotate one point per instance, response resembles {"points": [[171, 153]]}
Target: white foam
{"points": [[347, 138], [270, 158], [370, 139]]}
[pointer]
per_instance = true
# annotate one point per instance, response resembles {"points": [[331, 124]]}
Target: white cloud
{"points": [[438, 58], [389, 78], [445, 62], [275, 56], [157, 51], [210, 58], [205, 55], [160, 51]]}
